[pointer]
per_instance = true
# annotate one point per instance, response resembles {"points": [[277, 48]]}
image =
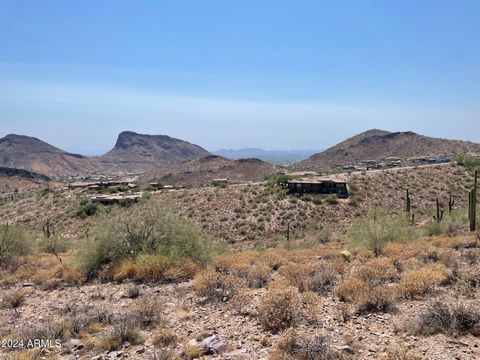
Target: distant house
{"points": [[115, 199], [319, 186]]}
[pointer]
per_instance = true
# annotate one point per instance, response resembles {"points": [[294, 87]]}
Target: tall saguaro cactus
{"points": [[472, 205], [408, 205], [451, 203], [439, 215]]}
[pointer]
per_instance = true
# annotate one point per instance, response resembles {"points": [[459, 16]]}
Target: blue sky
{"points": [[248, 73]]}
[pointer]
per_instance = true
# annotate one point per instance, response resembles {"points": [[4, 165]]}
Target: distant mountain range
{"points": [[159, 157], [279, 157], [163, 157]]}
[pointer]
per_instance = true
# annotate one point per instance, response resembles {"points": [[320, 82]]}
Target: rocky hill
{"points": [[32, 154], [379, 145], [202, 171], [17, 180], [138, 152]]}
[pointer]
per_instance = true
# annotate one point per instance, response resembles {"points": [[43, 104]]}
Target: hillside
{"points": [[32, 154], [18, 180], [379, 145], [280, 157], [202, 171], [139, 152]]}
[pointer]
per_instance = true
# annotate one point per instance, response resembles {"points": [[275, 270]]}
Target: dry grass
{"points": [[164, 337]]}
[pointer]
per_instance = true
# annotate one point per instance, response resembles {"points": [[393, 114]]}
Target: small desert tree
{"points": [[374, 233], [151, 228], [14, 242]]}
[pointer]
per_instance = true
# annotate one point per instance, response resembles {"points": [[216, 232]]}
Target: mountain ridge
{"points": [[380, 144]]}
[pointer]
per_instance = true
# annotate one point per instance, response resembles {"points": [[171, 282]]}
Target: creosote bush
{"points": [[152, 230]]}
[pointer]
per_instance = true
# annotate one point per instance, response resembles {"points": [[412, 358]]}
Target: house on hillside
{"points": [[318, 186]]}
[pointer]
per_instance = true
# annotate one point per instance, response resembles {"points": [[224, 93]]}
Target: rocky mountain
{"points": [[32, 154], [138, 152], [379, 145], [202, 171], [132, 153]]}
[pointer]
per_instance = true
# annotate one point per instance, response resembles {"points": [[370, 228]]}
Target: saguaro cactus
{"points": [[408, 205], [48, 230], [451, 203], [439, 215], [472, 205]]}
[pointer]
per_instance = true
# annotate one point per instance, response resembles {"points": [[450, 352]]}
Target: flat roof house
{"points": [[319, 186]]}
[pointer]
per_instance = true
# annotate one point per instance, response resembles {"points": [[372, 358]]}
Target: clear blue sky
{"points": [[248, 73]]}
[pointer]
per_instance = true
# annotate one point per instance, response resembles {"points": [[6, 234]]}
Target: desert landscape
{"points": [[239, 180], [199, 256]]}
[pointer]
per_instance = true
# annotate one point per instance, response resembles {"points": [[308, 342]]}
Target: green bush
{"points": [[14, 242], [87, 208], [375, 232], [468, 162], [278, 179], [332, 199], [152, 229], [324, 235]]}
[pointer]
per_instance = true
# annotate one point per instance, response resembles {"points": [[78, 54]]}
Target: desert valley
{"points": [[161, 250]]}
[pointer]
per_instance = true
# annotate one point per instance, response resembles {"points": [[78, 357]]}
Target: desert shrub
{"points": [[43, 329], [453, 318], [331, 199], [304, 347], [278, 179], [133, 291], [400, 352], [279, 309], [86, 209], [435, 229], [309, 277], [125, 329], [376, 299], [324, 235], [245, 265], [376, 232], [423, 280], [471, 276], [215, 286], [14, 242], [13, 299], [164, 337], [377, 271], [152, 230], [53, 244], [349, 289], [147, 311], [366, 287], [468, 162]]}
